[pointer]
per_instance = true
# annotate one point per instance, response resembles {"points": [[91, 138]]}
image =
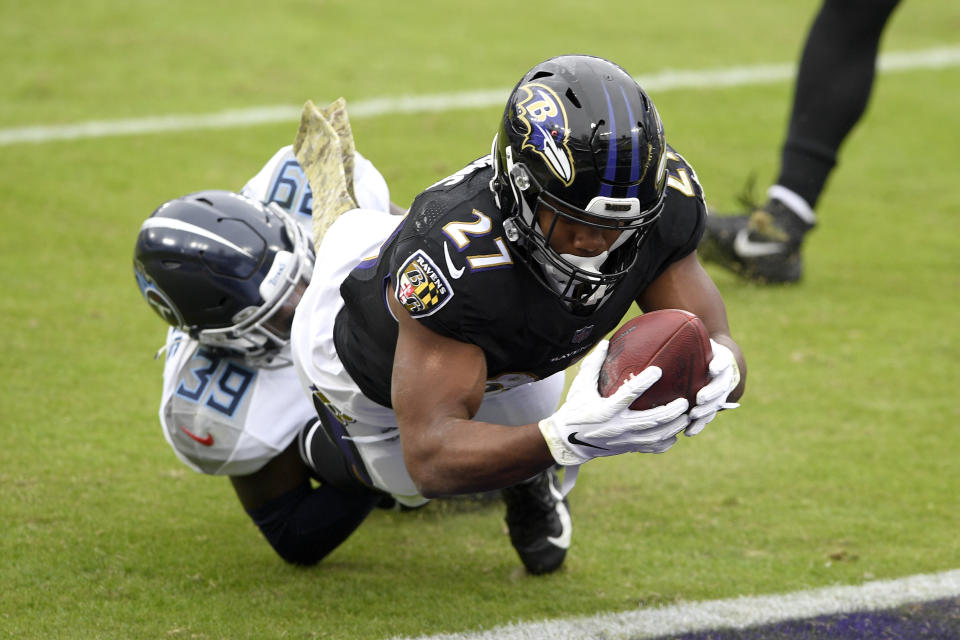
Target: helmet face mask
{"points": [[581, 140], [257, 330], [225, 269]]}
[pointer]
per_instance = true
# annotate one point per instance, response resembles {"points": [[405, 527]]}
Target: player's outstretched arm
{"points": [[438, 385]]}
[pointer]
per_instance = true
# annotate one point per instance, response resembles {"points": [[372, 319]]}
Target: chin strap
{"points": [[565, 285], [180, 338]]}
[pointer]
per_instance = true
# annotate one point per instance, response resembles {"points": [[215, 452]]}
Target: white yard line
{"points": [[734, 613], [938, 58]]}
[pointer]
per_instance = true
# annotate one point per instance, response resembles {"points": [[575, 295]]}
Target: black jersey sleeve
{"points": [[448, 261], [423, 286]]}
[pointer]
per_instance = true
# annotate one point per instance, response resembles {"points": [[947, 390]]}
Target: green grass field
{"points": [[841, 466]]}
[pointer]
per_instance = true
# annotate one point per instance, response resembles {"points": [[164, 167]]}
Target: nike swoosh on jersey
{"points": [[207, 441], [566, 525], [744, 247], [573, 439], [454, 272]]}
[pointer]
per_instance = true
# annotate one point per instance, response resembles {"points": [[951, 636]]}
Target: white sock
{"points": [[794, 202]]}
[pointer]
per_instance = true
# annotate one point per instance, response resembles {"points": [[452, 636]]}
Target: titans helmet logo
{"points": [[542, 112], [157, 299]]}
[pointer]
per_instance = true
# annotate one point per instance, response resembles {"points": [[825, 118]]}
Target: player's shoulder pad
{"points": [[681, 175], [684, 213], [468, 172], [452, 198], [452, 233]]}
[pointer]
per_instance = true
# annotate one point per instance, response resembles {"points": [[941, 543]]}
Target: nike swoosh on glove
{"points": [[724, 378], [589, 426]]}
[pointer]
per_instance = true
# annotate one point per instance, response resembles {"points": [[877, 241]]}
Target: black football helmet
{"points": [[581, 139], [219, 266]]}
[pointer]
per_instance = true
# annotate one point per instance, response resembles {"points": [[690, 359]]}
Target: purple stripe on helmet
{"points": [[611, 171], [634, 149]]}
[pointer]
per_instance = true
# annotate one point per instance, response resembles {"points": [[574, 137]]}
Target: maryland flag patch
{"points": [[421, 288]]}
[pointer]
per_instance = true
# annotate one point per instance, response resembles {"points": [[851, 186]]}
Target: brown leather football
{"points": [[674, 340]]}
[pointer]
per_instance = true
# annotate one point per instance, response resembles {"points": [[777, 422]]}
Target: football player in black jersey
{"points": [[435, 350], [833, 86]]}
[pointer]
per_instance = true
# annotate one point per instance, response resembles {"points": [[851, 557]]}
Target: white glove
{"points": [[724, 377], [588, 425]]}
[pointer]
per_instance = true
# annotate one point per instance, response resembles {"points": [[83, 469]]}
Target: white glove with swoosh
{"points": [[588, 425], [724, 378]]}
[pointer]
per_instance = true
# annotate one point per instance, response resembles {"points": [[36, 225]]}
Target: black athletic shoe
{"points": [[763, 246], [538, 518]]}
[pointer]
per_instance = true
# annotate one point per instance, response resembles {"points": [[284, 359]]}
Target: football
{"points": [[674, 340]]}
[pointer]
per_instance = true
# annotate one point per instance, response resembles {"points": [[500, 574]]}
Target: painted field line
{"points": [[733, 613], [668, 80]]}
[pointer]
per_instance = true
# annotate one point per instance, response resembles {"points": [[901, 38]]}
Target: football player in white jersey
{"points": [[226, 271]]}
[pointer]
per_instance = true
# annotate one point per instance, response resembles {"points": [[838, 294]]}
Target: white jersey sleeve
{"points": [[224, 417], [282, 181]]}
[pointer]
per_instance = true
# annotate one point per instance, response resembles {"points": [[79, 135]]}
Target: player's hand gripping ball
{"points": [[674, 340]]}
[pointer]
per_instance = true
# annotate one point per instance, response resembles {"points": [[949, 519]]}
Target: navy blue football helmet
{"points": [[220, 266], [581, 139]]}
